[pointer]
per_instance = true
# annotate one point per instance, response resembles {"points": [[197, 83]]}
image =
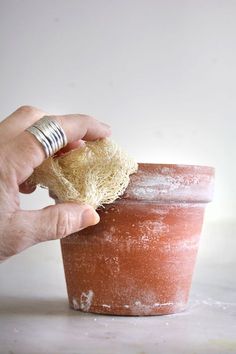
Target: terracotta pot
{"points": [[140, 258]]}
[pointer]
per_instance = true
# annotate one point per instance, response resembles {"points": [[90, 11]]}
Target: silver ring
{"points": [[50, 134]]}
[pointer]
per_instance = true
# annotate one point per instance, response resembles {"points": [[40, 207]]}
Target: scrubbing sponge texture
{"points": [[95, 174]]}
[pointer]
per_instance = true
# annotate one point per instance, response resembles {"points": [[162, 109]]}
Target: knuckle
{"points": [[87, 118], [6, 173], [12, 241], [2, 154], [60, 119], [26, 109], [63, 223]]}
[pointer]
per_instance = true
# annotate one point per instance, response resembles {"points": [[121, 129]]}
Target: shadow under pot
{"points": [[139, 259]]}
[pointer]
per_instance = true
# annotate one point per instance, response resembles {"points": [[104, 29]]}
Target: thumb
{"points": [[55, 221], [63, 219]]}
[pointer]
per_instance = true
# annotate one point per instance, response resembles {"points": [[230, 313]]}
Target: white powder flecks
{"points": [[107, 306], [157, 227], [146, 308], [213, 303], [181, 245], [157, 304], [75, 304], [170, 183], [149, 231], [108, 234], [84, 302], [113, 263]]}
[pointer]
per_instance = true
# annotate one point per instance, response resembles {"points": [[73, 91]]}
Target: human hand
{"points": [[20, 153]]}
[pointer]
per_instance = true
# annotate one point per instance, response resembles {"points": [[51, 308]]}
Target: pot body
{"points": [[139, 259]]}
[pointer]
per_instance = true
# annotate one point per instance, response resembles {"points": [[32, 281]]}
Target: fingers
{"points": [[26, 153], [58, 221], [70, 146], [26, 228], [80, 126], [18, 121], [27, 188]]}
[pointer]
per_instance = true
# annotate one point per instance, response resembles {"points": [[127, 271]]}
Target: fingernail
{"points": [[89, 217]]}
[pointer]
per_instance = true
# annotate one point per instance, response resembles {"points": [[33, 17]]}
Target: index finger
{"points": [[24, 153], [18, 121]]}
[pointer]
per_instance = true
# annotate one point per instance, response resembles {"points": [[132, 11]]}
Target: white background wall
{"points": [[162, 73]]}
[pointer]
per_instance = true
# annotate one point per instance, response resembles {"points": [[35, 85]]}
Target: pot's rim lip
{"points": [[173, 165]]}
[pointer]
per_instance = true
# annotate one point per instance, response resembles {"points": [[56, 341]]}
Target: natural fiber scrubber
{"points": [[95, 174]]}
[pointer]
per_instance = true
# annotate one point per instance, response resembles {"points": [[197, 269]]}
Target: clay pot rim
{"points": [[178, 166], [171, 182]]}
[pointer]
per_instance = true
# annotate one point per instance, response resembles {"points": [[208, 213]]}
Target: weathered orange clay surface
{"points": [[140, 258]]}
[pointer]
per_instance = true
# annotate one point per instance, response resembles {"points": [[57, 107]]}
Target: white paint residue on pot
{"points": [[75, 304], [139, 307], [182, 245], [164, 184], [149, 227], [108, 235], [113, 263], [167, 184], [146, 309], [160, 210], [86, 299], [157, 304], [190, 245], [167, 170], [148, 302], [107, 306]]}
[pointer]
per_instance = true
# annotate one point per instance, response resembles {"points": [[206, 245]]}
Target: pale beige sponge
{"points": [[97, 173]]}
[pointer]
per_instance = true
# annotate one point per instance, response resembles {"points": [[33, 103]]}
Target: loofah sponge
{"points": [[95, 174]]}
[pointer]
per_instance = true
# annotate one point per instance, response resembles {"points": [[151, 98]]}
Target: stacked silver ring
{"points": [[50, 134]]}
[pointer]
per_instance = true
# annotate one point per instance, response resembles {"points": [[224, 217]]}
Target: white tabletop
{"points": [[35, 317]]}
